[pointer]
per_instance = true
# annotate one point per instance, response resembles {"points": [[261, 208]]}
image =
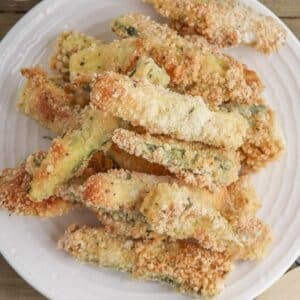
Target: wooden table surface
{"points": [[12, 287]]}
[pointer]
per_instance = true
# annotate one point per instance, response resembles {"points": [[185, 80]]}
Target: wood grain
{"points": [[17, 5], [7, 20], [12, 286], [284, 8]]}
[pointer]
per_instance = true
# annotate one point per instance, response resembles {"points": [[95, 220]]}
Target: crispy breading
{"points": [[219, 21], [241, 201], [68, 155], [133, 163], [164, 112], [146, 68], [67, 44], [127, 225], [118, 56], [194, 70], [182, 214], [263, 143], [129, 204], [47, 103], [14, 186], [116, 190], [193, 163], [178, 213], [31, 105], [184, 265]]}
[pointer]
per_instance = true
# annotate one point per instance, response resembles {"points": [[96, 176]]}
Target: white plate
{"points": [[29, 244]]}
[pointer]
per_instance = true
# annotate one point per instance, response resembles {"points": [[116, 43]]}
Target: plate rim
{"points": [[42, 289]]}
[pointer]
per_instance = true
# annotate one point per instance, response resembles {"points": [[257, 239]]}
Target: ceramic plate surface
{"points": [[29, 244]]}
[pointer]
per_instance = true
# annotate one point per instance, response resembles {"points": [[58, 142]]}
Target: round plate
{"points": [[29, 244]]}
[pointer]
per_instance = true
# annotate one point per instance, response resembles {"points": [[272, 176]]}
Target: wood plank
{"points": [[7, 20], [284, 8], [294, 25], [13, 287], [17, 5]]}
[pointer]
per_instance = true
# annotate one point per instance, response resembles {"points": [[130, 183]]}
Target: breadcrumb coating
{"points": [[193, 70], [182, 264], [14, 186], [67, 44], [132, 226], [219, 21], [263, 143], [69, 155], [116, 190], [182, 214], [131, 204], [47, 103], [194, 164], [118, 56], [161, 111], [133, 163]]}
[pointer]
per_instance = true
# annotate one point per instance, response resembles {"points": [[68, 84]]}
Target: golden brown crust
{"points": [[67, 44], [14, 187], [183, 264], [164, 112], [46, 102], [264, 143], [133, 163], [194, 164], [220, 23], [202, 71]]}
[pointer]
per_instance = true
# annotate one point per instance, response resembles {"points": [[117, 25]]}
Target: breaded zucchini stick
{"points": [[146, 68], [179, 213], [118, 56], [194, 164], [264, 142], [67, 155], [14, 186], [128, 225], [242, 200], [128, 203], [164, 112], [133, 163], [118, 190], [181, 264], [67, 44], [219, 21], [193, 69], [47, 103], [72, 152]]}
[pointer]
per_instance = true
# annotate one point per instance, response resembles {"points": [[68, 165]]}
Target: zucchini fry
{"points": [[194, 164], [263, 143], [67, 44], [47, 103], [129, 204], [69, 154], [118, 56], [14, 185], [194, 70], [183, 265], [164, 112], [127, 225], [220, 22], [115, 191], [133, 163], [177, 212], [147, 69]]}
